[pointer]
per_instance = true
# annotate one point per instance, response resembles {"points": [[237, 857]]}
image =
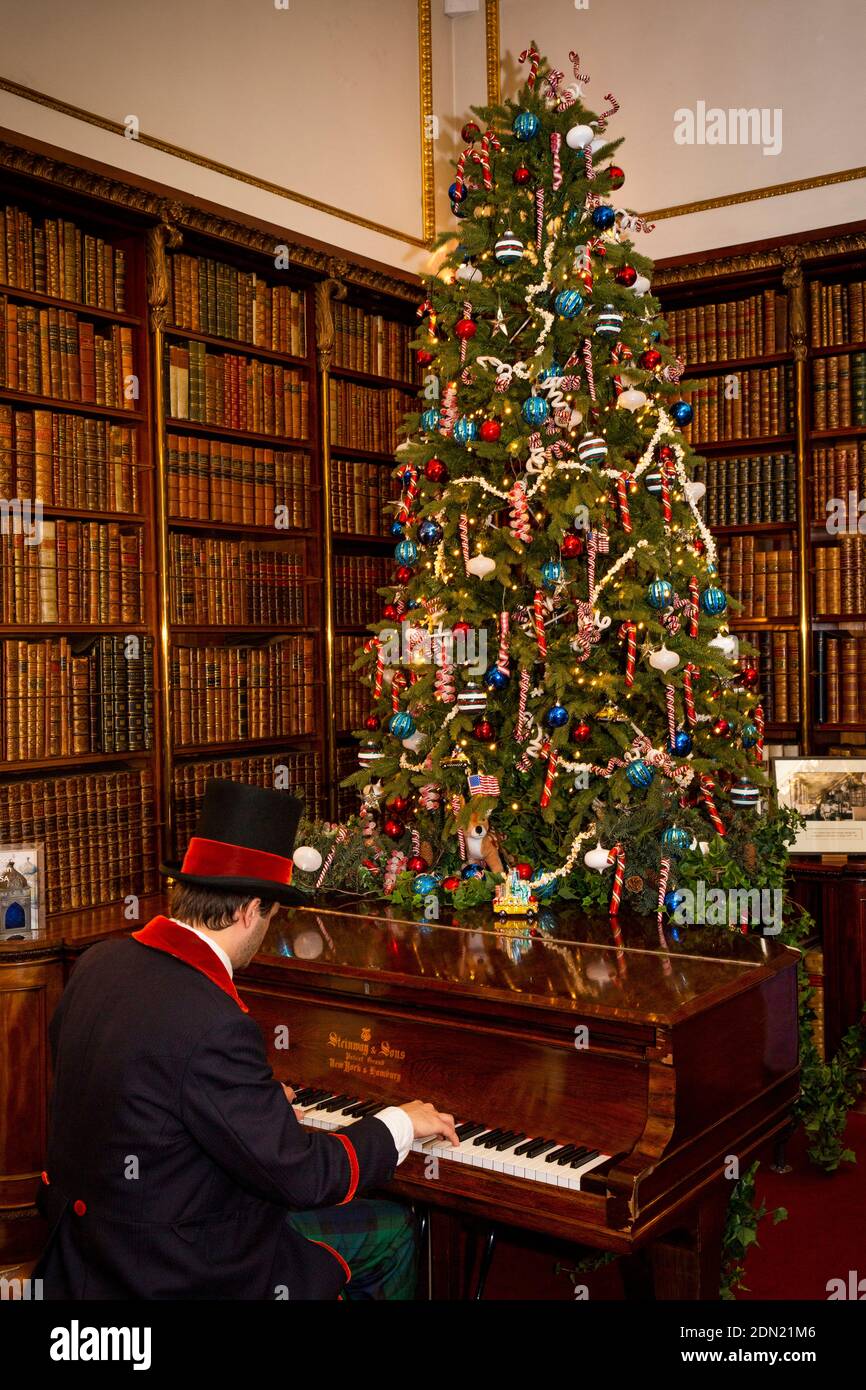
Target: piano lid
{"points": [[621, 968]]}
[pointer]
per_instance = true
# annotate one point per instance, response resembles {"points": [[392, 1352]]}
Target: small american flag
{"points": [[482, 784]]}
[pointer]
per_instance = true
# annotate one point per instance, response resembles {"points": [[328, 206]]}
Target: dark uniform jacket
{"points": [[174, 1154]]}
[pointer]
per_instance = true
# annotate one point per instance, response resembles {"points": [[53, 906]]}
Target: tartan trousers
{"points": [[376, 1238]]}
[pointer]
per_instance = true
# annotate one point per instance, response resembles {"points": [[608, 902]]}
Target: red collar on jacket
{"points": [[162, 934]]}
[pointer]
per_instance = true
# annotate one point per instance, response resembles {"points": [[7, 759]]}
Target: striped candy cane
{"points": [[575, 63], [690, 673], [555, 148], [464, 539], [664, 871], [622, 482], [617, 857], [502, 658], [587, 362], [538, 611], [695, 606], [523, 724], [533, 55], [759, 725], [461, 838], [671, 704], [323, 872], [707, 787], [550, 772], [628, 631]]}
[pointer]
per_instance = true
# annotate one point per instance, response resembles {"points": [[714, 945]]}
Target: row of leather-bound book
{"points": [[840, 576], [210, 296], [60, 571], [223, 581], [220, 480], [56, 352], [224, 694], [295, 770], [68, 460], [762, 580], [54, 256]]}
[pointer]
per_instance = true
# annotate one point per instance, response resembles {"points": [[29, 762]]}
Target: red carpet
{"points": [[825, 1234]]}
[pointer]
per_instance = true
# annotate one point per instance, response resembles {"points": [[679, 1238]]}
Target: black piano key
{"points": [[496, 1139], [509, 1142], [569, 1154], [318, 1095], [468, 1129], [525, 1147], [539, 1146], [337, 1103], [305, 1095], [557, 1153], [374, 1109], [585, 1158], [488, 1134], [325, 1101], [576, 1158], [362, 1108]]}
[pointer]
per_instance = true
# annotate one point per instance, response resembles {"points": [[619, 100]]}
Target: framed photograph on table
{"points": [[830, 794], [22, 890]]}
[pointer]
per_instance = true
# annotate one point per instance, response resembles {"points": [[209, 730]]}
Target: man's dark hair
{"points": [[208, 907]]}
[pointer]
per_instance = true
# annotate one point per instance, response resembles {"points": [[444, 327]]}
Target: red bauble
{"points": [[617, 177], [600, 250], [626, 275], [749, 675], [483, 730], [721, 728], [435, 471], [470, 132], [581, 732], [461, 627], [393, 828], [490, 431], [451, 882], [522, 175], [404, 574], [524, 870], [390, 612], [416, 865], [650, 359], [698, 546], [397, 805], [371, 722], [423, 357], [466, 328], [571, 545], [666, 454]]}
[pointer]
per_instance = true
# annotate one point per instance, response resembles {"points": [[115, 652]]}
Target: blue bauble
{"points": [[525, 125], [603, 217], [423, 883], [429, 420], [568, 303], [396, 529], [429, 532], [454, 195], [402, 725], [659, 593], [675, 840], [674, 899], [473, 871], [551, 372], [465, 430], [713, 601], [639, 773], [543, 890], [682, 413], [556, 716], [551, 573], [682, 744], [406, 552], [535, 410], [749, 735], [495, 679]]}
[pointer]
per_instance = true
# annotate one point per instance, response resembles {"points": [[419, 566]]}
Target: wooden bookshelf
{"points": [[155, 229], [791, 275]]}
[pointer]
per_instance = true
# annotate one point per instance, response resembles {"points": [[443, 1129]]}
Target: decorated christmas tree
{"points": [[553, 685]]}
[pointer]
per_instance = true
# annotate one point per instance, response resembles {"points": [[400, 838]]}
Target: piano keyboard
{"points": [[496, 1150]]}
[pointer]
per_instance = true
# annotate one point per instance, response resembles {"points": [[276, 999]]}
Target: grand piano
{"points": [[609, 1082]]}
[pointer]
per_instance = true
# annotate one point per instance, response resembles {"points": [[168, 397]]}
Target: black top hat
{"points": [[243, 842]]}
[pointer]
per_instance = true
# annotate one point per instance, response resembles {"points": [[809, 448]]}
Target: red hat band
{"points": [[216, 859]]}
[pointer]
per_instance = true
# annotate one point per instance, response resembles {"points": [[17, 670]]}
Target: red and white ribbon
{"points": [[695, 607], [448, 412], [518, 516], [394, 867], [539, 607], [664, 873], [598, 543], [671, 705], [587, 362], [628, 631], [575, 63], [759, 725], [555, 148], [539, 216], [523, 724], [533, 55], [550, 772], [323, 872], [502, 658], [429, 796], [690, 673], [467, 317], [617, 857], [464, 539], [611, 111], [445, 684], [587, 154], [622, 486]]}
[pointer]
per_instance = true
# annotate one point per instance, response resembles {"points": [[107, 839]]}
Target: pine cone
{"points": [[634, 883], [750, 856]]}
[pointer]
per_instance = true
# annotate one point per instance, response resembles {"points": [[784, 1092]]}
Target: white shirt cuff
{"points": [[401, 1129]]}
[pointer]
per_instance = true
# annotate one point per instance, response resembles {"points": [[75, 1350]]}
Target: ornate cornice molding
{"points": [[773, 258], [181, 216], [756, 195]]}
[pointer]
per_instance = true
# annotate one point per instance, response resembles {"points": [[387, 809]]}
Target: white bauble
{"points": [[630, 399], [576, 418], [641, 286], [470, 273], [578, 136], [307, 859], [598, 858], [481, 566], [694, 491], [727, 644], [663, 660], [415, 742], [599, 143]]}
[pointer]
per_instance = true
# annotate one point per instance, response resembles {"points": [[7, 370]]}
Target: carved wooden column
{"points": [[792, 279], [326, 292], [163, 236]]}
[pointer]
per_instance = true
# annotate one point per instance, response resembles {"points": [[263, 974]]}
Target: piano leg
{"points": [[687, 1263], [486, 1261]]}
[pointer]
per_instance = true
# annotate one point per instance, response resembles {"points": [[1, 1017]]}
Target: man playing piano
{"points": [[177, 1164]]}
